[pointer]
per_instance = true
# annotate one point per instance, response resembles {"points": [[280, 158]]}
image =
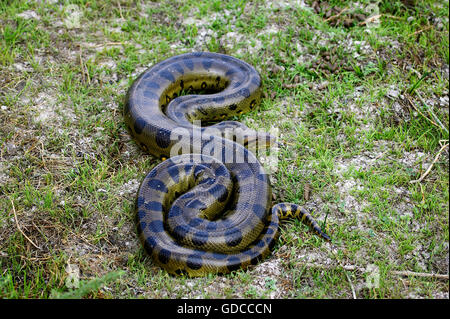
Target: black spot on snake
{"points": [[233, 107], [200, 238], [189, 63], [151, 95], [210, 226], [219, 256], [218, 99], [230, 72], [139, 125], [179, 232], [167, 75], [142, 226], [156, 226], [207, 181], [194, 222], [152, 173], [256, 81], [220, 192], [236, 85], [194, 261], [221, 171], [202, 110], [260, 244], [152, 85], [259, 211], [174, 211], [188, 167], [149, 244], [174, 173], [233, 237], [153, 205], [207, 63], [178, 68], [255, 260], [156, 184], [233, 263], [271, 243], [163, 138], [140, 201], [164, 256]]}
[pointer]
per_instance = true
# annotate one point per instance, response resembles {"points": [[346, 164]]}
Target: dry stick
{"points": [[337, 15], [81, 66], [369, 19], [429, 168], [120, 10], [108, 43], [18, 227], [420, 274], [392, 17], [291, 86], [431, 112], [394, 272], [421, 30], [345, 271], [351, 285], [423, 115]]}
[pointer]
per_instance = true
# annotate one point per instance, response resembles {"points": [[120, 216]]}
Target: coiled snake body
{"points": [[207, 207]]}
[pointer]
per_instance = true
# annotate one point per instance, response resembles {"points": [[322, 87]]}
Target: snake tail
{"points": [[291, 211]]}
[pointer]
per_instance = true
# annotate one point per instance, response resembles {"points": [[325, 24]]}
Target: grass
{"points": [[339, 95]]}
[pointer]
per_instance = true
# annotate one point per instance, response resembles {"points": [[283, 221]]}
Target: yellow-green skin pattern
{"points": [[208, 213]]}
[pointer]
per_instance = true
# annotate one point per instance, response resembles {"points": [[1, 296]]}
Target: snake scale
{"points": [[206, 208]]}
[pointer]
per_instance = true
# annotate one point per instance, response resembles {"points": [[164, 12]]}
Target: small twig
{"points": [[291, 86], [421, 30], [436, 119], [82, 66], [108, 44], [423, 194], [429, 168], [337, 15], [369, 19], [351, 285], [420, 274], [120, 10], [18, 227], [423, 115], [394, 272]]}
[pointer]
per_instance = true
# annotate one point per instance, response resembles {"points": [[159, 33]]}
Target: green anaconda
{"points": [[207, 207]]}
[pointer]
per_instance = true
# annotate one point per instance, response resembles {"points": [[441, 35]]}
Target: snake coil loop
{"points": [[207, 208]]}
